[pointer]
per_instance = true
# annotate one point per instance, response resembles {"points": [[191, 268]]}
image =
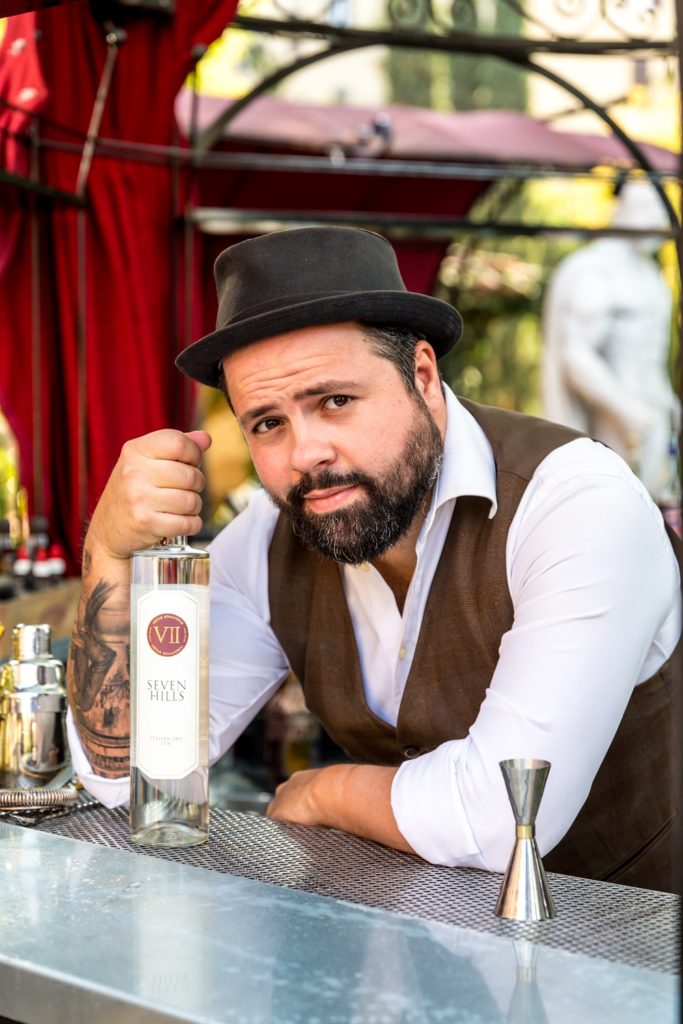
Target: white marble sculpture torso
{"points": [[607, 329]]}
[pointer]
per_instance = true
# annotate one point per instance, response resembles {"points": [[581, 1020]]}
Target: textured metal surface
{"points": [[618, 923], [101, 936]]}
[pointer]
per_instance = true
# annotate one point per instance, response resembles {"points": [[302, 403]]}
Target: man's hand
{"points": [[353, 797], [295, 799], [153, 492]]}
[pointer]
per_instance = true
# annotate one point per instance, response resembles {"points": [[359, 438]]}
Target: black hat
{"points": [[308, 277]]}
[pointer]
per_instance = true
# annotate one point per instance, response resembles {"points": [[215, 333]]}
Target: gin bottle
{"points": [[169, 668]]}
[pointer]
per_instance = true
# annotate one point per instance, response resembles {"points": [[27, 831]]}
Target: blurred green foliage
{"points": [[458, 81]]}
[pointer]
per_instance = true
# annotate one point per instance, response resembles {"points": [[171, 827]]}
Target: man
{"points": [[452, 585]]}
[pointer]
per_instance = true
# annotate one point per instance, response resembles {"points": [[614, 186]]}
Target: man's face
{"points": [[337, 440]]}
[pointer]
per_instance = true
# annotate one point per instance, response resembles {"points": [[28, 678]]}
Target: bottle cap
{"points": [[41, 565], [31, 641], [22, 562]]}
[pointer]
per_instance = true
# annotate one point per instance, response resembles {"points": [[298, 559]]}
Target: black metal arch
{"points": [[213, 133], [358, 39]]}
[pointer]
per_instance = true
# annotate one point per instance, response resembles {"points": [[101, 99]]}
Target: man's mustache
{"points": [[326, 480]]}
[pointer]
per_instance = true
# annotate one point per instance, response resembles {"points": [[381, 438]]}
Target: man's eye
{"points": [[337, 401], [265, 425]]}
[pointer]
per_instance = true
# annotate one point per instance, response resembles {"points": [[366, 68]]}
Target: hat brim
{"points": [[440, 323]]}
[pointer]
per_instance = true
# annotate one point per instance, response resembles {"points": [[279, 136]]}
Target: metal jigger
{"points": [[524, 894]]}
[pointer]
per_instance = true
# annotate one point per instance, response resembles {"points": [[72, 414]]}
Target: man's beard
{"points": [[375, 522]]}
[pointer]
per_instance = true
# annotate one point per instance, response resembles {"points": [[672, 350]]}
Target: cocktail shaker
{"points": [[32, 706]]}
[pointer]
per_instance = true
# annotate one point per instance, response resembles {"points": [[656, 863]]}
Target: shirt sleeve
{"points": [[246, 662], [594, 585], [110, 792]]}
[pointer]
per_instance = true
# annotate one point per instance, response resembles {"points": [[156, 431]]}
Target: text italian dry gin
{"points": [[169, 670]]}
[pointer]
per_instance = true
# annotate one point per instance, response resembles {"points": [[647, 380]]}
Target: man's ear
{"points": [[427, 378]]}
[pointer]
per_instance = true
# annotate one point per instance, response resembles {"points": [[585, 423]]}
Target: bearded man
{"points": [[453, 585]]}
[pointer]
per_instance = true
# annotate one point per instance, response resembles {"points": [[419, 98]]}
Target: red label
{"points": [[167, 634]]}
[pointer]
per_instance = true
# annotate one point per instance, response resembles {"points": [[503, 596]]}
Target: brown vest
{"points": [[624, 832]]}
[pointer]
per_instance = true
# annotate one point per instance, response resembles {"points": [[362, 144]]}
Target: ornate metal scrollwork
{"points": [[632, 19], [463, 14], [571, 8], [454, 15], [409, 13], [576, 19], [322, 11]]}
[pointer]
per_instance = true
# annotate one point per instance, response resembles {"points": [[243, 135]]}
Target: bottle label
{"points": [[167, 684]]}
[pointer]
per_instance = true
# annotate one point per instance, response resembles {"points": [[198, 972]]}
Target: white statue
{"points": [[607, 330]]}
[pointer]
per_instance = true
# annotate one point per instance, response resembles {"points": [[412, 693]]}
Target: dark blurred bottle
{"points": [[22, 568], [8, 586], [57, 562], [41, 569], [669, 499], [39, 537], [292, 734], [6, 548]]}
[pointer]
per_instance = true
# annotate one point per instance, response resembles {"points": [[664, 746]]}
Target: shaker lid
{"points": [[32, 664], [30, 642]]}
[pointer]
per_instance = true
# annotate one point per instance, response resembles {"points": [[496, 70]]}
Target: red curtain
{"points": [[10, 7], [130, 246]]}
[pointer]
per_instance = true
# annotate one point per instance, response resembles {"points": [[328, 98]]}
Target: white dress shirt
{"points": [[595, 589]]}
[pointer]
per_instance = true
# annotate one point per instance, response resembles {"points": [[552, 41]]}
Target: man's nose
{"points": [[310, 452]]}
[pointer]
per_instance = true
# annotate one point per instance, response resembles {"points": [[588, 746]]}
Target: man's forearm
{"points": [[98, 668], [355, 798]]}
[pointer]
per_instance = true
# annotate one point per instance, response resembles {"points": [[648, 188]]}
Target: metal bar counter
{"points": [[243, 929]]}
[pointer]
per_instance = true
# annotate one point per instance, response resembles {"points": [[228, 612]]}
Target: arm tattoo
{"points": [[98, 676], [92, 657]]}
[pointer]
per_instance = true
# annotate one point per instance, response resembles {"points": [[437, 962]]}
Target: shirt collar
{"points": [[468, 466]]}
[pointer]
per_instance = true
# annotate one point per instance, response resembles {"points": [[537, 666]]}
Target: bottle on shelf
{"points": [[169, 799], [669, 499], [292, 734], [57, 562], [8, 585], [41, 570], [22, 568], [6, 548], [38, 538]]}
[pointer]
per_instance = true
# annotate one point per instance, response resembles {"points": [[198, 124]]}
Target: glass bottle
{"points": [[169, 670], [669, 498]]}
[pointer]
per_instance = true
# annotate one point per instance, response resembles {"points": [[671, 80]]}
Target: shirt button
{"points": [[364, 567], [402, 651], [411, 752]]}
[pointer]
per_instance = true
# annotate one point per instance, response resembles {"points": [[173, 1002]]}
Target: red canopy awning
{"points": [[486, 136]]}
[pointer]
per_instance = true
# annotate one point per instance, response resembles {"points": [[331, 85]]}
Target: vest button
{"points": [[412, 752]]}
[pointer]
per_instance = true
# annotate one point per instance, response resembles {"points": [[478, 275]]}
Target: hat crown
{"points": [[307, 277], [300, 264]]}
